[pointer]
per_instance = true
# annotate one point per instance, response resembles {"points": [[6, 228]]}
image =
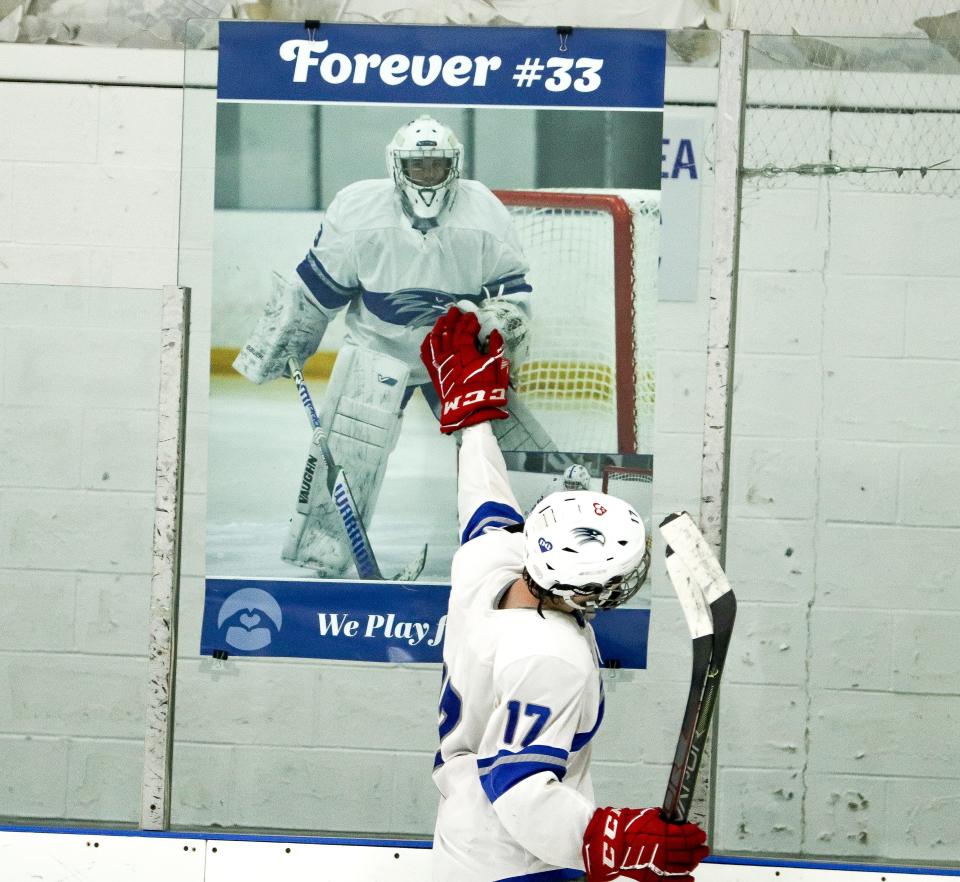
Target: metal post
{"points": [[724, 261], [165, 582]]}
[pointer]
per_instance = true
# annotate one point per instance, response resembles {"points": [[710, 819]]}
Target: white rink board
{"points": [[92, 856], [717, 870], [239, 861], [104, 856]]}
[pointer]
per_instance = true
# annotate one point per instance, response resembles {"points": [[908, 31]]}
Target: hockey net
{"points": [[589, 376], [633, 485]]}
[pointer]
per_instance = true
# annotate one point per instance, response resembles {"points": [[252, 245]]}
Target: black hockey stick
{"points": [[341, 494], [709, 607]]}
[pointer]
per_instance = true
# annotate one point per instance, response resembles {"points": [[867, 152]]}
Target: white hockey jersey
{"points": [[396, 281], [521, 701]]}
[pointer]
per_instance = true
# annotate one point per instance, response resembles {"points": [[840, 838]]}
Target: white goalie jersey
{"points": [[396, 281], [520, 703]]}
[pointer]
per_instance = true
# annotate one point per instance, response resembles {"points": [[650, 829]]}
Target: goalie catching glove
{"points": [[640, 844], [472, 385]]}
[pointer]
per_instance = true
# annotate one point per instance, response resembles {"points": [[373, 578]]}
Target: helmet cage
{"points": [[425, 200], [596, 595]]}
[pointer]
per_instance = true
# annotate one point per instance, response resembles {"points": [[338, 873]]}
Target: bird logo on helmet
{"points": [[588, 534], [424, 158], [589, 559]]}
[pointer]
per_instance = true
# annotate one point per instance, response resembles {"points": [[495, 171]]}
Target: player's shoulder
{"points": [[555, 640], [364, 204], [488, 560], [477, 205]]}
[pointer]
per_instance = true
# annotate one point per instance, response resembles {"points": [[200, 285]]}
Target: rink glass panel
{"points": [[841, 690], [840, 698], [78, 423]]}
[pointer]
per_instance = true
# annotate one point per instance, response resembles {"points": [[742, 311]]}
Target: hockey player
{"points": [[522, 697], [395, 253], [574, 477]]}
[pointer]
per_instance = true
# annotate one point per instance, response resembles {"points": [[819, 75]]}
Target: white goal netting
{"points": [[593, 259]]}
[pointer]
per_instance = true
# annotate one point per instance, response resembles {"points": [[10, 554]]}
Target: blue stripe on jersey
{"points": [[547, 876], [582, 739], [501, 772], [516, 284], [410, 307], [544, 749], [327, 291], [490, 515]]}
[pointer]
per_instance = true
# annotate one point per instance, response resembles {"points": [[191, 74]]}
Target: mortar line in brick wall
{"points": [[887, 693], [940, 528], [338, 749], [826, 192], [877, 777], [891, 609]]}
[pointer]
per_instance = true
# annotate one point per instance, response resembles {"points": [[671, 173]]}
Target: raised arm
{"points": [[484, 498], [472, 386]]}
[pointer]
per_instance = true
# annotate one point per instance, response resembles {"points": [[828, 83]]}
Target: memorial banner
{"points": [[363, 621], [369, 177]]}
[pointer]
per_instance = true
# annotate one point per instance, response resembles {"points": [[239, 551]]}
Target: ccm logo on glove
{"points": [[609, 832], [471, 384], [641, 845], [491, 396]]}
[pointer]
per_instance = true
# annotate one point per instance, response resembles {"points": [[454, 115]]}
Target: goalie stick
{"points": [[709, 607], [339, 489]]}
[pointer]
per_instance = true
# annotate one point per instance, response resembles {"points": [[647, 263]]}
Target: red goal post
{"points": [[593, 261]]}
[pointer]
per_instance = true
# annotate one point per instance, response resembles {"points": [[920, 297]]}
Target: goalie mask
{"points": [[424, 159], [587, 548], [576, 477]]}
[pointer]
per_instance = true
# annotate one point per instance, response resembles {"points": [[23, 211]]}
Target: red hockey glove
{"points": [[639, 844], [472, 385]]}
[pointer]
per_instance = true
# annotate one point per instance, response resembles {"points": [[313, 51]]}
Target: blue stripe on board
{"points": [[219, 837], [892, 869]]}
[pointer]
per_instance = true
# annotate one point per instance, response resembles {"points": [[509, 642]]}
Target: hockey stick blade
{"points": [[413, 569], [709, 607]]}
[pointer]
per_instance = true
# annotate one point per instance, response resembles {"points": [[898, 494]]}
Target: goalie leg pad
{"points": [[361, 414], [360, 417]]}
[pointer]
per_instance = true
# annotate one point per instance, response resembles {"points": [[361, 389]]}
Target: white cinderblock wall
{"points": [[841, 695]]}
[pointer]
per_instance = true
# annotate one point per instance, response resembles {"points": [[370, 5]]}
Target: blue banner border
{"points": [[632, 76], [386, 622]]}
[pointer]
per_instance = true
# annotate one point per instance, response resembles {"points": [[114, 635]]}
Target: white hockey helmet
{"points": [[588, 548], [425, 159], [576, 477]]}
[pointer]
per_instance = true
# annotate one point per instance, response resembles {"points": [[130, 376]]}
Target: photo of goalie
{"points": [[353, 495]]}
